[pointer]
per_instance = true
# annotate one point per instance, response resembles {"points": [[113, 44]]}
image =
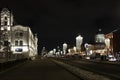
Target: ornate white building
{"points": [[16, 39]]}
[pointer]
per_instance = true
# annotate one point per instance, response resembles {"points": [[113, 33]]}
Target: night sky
{"points": [[59, 21]]}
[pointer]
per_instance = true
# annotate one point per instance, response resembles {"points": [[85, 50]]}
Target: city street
{"points": [[59, 40], [40, 69]]}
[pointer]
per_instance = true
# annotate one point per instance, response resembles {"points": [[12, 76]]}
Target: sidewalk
{"points": [[41, 69]]}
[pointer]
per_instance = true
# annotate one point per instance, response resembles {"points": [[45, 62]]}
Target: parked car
{"points": [[111, 58], [87, 57]]}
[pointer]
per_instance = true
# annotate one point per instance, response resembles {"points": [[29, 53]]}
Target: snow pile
{"points": [[86, 75]]}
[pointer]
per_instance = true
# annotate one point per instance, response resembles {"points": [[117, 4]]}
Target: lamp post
{"points": [[79, 40], [58, 51], [87, 48], [54, 52]]}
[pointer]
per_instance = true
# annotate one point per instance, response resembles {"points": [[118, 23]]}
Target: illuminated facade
{"points": [[18, 38], [114, 42], [64, 48], [79, 41], [100, 41], [114, 38], [99, 47], [23, 41], [110, 45]]}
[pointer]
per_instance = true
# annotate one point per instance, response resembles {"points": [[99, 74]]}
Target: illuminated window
{"points": [[16, 43], [18, 50]]}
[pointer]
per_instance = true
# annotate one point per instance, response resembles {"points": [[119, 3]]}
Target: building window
{"points": [[21, 34], [16, 34], [18, 49], [5, 17], [21, 43], [5, 23], [16, 43]]}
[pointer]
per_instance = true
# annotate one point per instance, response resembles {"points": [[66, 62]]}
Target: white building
{"points": [[19, 38], [100, 40]]}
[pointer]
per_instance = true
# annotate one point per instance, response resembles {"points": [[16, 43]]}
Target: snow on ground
{"points": [[86, 75]]}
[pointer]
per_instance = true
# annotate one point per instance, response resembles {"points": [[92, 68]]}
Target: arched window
{"points": [[5, 17], [18, 34], [21, 34]]}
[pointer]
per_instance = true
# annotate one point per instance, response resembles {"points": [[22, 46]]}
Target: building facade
{"points": [[16, 39], [114, 41]]}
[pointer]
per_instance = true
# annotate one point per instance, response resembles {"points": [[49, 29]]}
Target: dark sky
{"points": [[59, 21]]}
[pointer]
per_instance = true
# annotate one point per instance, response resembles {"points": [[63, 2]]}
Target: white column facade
{"points": [[79, 41], [64, 48]]}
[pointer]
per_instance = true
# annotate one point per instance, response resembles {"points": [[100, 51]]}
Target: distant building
{"points": [[17, 39], [99, 40], [110, 37], [23, 41], [114, 41], [79, 41]]}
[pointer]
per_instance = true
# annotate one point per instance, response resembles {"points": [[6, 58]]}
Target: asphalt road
{"points": [[110, 70], [38, 70]]}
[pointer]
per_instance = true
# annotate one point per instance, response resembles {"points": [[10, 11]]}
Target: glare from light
{"points": [[74, 48], [79, 40], [69, 50], [24, 48], [107, 42], [2, 28], [8, 28]]}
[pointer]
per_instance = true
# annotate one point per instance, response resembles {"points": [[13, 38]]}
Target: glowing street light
{"points": [[68, 50], [107, 43], [74, 48], [54, 51]]}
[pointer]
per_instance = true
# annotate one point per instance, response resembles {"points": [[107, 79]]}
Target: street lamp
{"points": [[87, 48], [68, 50], [74, 48], [79, 40], [54, 50]]}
